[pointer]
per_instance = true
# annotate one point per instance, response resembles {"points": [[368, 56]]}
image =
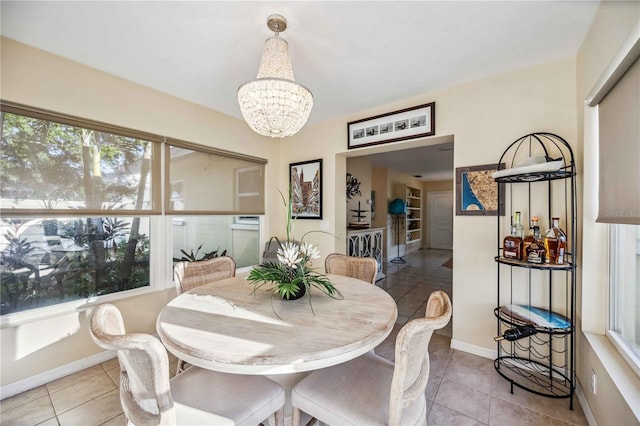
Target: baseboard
{"points": [[582, 399], [54, 374], [473, 349]]}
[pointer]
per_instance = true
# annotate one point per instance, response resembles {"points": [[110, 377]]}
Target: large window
{"points": [[207, 190], [624, 321], [47, 261], [618, 103], [82, 208]]}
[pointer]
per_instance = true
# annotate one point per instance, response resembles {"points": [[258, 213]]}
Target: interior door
{"points": [[440, 219]]}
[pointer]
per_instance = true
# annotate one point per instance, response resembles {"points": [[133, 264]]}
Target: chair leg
{"points": [[180, 367], [279, 417], [295, 417]]}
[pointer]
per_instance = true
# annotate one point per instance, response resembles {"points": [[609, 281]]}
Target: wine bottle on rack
{"points": [[536, 253], [517, 333], [530, 237], [512, 244], [555, 243]]}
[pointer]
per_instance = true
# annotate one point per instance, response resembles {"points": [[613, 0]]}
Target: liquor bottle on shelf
{"points": [[519, 229], [555, 243], [535, 252], [517, 333], [530, 238], [512, 245]]}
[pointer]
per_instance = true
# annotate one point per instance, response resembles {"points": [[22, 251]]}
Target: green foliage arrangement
{"points": [[293, 271], [193, 256]]}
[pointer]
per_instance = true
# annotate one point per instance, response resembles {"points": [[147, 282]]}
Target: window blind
{"points": [[204, 181], [618, 100], [56, 165]]}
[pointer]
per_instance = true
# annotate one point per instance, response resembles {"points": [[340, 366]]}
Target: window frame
{"points": [[616, 339]]}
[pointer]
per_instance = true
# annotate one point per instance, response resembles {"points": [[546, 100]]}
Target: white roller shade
{"points": [[617, 95], [619, 190], [206, 181]]}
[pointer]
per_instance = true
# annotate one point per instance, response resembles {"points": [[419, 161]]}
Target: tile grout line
{"points": [[53, 407], [83, 403]]}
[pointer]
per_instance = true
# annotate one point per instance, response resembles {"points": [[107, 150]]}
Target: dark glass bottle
{"points": [[512, 244], [535, 252], [555, 243], [517, 333], [530, 237]]}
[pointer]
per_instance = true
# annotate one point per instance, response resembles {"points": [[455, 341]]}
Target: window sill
{"points": [[623, 376], [81, 305], [245, 226]]}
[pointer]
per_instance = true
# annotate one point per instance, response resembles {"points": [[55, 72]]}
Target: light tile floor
{"points": [[463, 389]]}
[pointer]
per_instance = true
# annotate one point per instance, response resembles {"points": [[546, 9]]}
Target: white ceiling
{"points": [[352, 55]]}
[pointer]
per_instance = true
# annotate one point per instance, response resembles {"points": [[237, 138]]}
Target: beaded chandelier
{"points": [[274, 104]]}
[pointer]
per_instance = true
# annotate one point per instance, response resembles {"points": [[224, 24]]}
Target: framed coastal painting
{"points": [[305, 180], [477, 191], [409, 123]]}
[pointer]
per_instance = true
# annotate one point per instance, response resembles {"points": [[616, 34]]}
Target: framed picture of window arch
{"points": [[305, 180]]}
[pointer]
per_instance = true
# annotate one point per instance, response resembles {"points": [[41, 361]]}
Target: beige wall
{"points": [[379, 185], [36, 78], [611, 27], [440, 185]]}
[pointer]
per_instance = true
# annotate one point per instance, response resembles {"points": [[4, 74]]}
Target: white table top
{"points": [[222, 326]]}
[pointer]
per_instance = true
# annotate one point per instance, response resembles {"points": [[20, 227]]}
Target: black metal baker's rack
{"points": [[543, 363]]}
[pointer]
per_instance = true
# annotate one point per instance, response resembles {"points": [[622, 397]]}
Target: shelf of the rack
{"points": [[515, 322], [413, 230], [413, 208], [535, 377], [567, 266], [537, 176], [413, 197], [413, 219], [417, 240]]}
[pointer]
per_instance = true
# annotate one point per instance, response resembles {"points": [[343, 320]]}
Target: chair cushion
{"points": [[186, 415], [247, 400], [355, 392]]}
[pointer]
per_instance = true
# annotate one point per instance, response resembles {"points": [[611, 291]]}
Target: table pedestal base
{"points": [[288, 381]]}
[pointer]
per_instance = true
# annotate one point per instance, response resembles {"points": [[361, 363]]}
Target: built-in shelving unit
{"points": [[539, 295], [413, 221]]}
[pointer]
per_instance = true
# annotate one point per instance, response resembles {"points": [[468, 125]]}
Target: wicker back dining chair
{"points": [[362, 268], [369, 390], [195, 397], [188, 275]]}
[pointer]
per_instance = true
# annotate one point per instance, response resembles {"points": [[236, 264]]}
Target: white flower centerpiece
{"points": [[293, 274]]}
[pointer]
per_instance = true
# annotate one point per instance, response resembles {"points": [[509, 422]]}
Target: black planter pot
{"points": [[297, 295]]}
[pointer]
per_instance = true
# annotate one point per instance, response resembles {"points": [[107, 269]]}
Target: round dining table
{"points": [[227, 326]]}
